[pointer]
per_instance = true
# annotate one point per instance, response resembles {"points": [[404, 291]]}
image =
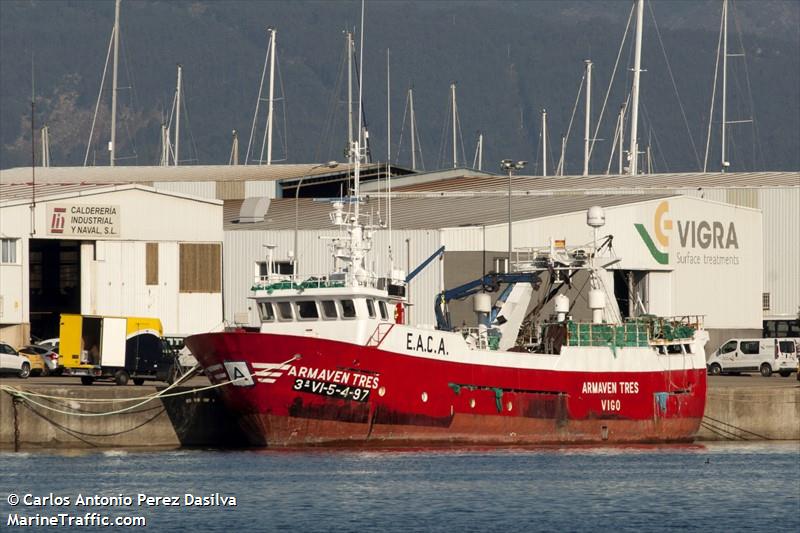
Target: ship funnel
{"points": [[562, 307]]}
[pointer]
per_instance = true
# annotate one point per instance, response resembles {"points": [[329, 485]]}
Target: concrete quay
{"points": [[743, 408]]}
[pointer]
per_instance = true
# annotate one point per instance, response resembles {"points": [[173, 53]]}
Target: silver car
{"points": [[12, 362]]}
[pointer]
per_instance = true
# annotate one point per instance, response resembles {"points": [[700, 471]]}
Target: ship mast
{"points": [[633, 155], [587, 121]]}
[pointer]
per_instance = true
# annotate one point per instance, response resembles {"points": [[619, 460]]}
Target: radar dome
{"points": [[596, 217]]}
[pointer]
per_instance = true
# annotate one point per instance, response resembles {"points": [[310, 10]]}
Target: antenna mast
{"points": [[413, 130], [544, 142], [453, 96]]}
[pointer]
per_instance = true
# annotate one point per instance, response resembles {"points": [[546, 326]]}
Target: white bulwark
{"points": [[121, 250]]}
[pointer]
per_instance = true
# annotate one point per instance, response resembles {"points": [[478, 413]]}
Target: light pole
{"points": [[510, 166], [329, 164]]}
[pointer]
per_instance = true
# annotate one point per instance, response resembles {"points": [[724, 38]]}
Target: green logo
{"points": [[659, 225]]}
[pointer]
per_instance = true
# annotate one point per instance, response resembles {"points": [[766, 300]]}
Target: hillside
{"points": [[509, 60]]}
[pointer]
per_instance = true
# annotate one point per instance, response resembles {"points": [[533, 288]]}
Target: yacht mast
{"points": [[350, 51], [112, 145], [544, 142], [273, 36], [633, 155], [178, 90], [587, 121], [413, 129], [724, 161], [453, 97]]}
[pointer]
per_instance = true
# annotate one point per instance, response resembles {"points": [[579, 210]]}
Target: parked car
{"points": [[47, 355], [51, 344], [12, 362], [754, 355]]}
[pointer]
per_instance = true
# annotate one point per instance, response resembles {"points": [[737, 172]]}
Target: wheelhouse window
{"points": [[371, 307], [329, 309], [687, 348], [307, 310], [348, 308], [674, 349], [285, 310], [384, 311], [266, 311]]}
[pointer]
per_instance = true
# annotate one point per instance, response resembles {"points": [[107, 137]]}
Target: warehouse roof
{"points": [[189, 173], [427, 213], [654, 182]]}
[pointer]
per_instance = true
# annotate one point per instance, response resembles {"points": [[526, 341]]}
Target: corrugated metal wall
{"points": [[782, 251], [203, 189], [243, 249], [114, 284]]}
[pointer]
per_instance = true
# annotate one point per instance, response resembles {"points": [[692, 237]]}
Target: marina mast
{"points": [[633, 155]]}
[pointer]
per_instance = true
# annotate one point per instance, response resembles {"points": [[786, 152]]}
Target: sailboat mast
{"points": [[637, 68], [544, 142], [113, 144], [621, 162], [724, 161], [453, 96], [349, 44], [587, 121], [413, 130], [273, 35], [178, 90]]}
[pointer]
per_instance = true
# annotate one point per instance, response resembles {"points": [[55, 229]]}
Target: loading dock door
{"points": [[113, 349]]}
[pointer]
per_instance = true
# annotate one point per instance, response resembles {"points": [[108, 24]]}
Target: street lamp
{"points": [[510, 166], [329, 164]]}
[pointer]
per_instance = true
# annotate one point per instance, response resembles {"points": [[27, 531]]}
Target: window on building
{"points": [[307, 310], [266, 311], [285, 310], [765, 301], [200, 267], [8, 251], [749, 347], [501, 265], [329, 309], [348, 309], [384, 311], [371, 307], [151, 263]]}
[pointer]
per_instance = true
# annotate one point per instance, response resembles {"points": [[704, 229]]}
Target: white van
{"points": [[754, 355]]}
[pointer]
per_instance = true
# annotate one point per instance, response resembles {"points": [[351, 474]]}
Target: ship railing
{"points": [[379, 334], [474, 337]]}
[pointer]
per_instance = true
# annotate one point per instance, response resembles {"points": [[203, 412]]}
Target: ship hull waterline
{"points": [[303, 391]]}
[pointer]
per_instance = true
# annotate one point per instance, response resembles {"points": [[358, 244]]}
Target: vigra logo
{"points": [[660, 224]]}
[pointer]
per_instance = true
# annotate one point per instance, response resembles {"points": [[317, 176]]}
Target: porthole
{"points": [[472, 403], [509, 406], [424, 396], [381, 391]]}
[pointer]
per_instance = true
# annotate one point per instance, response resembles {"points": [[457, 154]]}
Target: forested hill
{"points": [[508, 60]]}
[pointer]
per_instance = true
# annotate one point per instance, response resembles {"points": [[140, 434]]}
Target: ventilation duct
{"points": [[253, 210]]}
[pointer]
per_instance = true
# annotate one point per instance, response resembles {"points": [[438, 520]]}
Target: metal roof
{"points": [[12, 195], [427, 213], [189, 173], [642, 182]]}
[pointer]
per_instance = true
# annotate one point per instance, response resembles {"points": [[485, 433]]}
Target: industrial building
{"points": [[464, 210], [677, 255], [120, 250]]}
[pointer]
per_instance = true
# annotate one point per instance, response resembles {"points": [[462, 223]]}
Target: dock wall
{"points": [[751, 413]]}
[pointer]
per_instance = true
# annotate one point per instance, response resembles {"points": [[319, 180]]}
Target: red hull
{"points": [[342, 394]]}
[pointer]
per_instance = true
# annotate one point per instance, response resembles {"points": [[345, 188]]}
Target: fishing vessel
{"points": [[334, 363]]}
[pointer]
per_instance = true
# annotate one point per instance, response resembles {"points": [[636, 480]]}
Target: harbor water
{"points": [[719, 487]]}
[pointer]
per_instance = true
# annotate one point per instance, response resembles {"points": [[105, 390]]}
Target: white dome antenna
{"points": [[596, 217]]}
